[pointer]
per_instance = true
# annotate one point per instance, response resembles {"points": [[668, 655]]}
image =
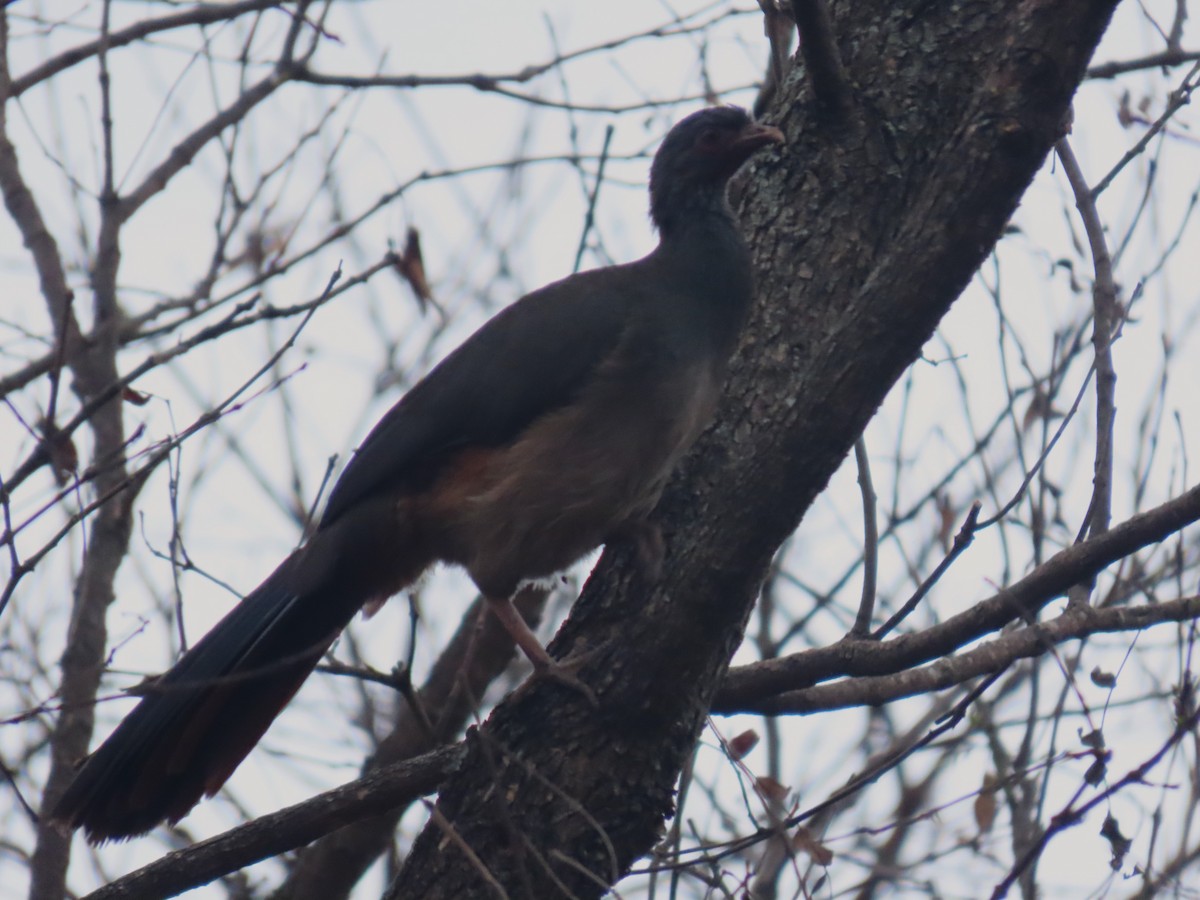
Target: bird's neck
{"points": [[680, 213], [704, 255], [704, 237]]}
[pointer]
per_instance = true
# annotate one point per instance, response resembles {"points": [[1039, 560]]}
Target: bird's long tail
{"points": [[196, 723]]}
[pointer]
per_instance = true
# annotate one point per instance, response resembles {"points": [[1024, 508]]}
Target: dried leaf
{"points": [[1125, 114], [411, 266], [264, 245], [1103, 679], [743, 744], [1098, 769], [771, 789], [803, 840], [985, 804], [1040, 408], [946, 520], [1185, 701], [60, 451], [137, 398], [1119, 844]]}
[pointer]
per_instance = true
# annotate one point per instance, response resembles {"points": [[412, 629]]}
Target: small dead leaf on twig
{"points": [[770, 789], [1185, 700], [411, 267], [743, 744], [61, 453], [1040, 409], [137, 398], [947, 518], [1098, 770], [985, 804], [264, 245], [1117, 842], [804, 840], [1125, 111]]}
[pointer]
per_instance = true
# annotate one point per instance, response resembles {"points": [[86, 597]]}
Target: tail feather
{"points": [[200, 720]]}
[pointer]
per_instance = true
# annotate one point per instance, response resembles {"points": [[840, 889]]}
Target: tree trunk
{"points": [[864, 232]]}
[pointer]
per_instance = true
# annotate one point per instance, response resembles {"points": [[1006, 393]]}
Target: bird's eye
{"points": [[709, 139]]}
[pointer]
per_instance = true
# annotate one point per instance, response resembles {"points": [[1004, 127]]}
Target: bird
{"points": [[549, 432]]}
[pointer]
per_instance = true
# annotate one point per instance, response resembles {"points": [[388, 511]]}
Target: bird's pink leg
{"points": [[544, 665]]}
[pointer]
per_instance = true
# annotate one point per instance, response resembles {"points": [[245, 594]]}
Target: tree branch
{"points": [[745, 685], [987, 659], [285, 830], [822, 59]]}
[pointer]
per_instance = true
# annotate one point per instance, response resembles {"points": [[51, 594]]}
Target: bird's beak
{"points": [[755, 136]]}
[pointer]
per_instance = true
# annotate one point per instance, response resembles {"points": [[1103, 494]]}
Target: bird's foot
{"points": [[566, 673]]}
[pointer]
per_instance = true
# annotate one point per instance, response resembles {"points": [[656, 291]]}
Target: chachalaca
{"points": [[549, 432]]}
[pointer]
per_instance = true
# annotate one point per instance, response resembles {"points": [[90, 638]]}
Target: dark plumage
{"points": [[551, 430]]}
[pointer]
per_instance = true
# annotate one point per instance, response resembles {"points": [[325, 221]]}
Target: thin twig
{"points": [[962, 541], [1104, 327], [1019, 599], [1152, 61], [136, 479], [866, 604], [590, 219], [1177, 99], [1072, 815], [897, 680], [448, 829]]}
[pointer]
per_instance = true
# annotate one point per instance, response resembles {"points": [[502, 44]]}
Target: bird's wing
{"points": [[528, 360]]}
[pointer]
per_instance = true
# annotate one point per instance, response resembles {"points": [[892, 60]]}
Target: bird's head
{"points": [[697, 158]]}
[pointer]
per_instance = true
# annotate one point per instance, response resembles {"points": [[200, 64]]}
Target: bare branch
{"points": [[1106, 317], [989, 658], [1022, 599], [285, 830], [822, 60], [201, 14], [866, 605]]}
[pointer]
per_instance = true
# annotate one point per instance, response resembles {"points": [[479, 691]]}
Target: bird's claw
{"points": [[565, 672]]}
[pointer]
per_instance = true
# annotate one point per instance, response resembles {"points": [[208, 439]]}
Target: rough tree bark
{"points": [[865, 233]]}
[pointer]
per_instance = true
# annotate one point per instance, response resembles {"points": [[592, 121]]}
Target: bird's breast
{"points": [[535, 506]]}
